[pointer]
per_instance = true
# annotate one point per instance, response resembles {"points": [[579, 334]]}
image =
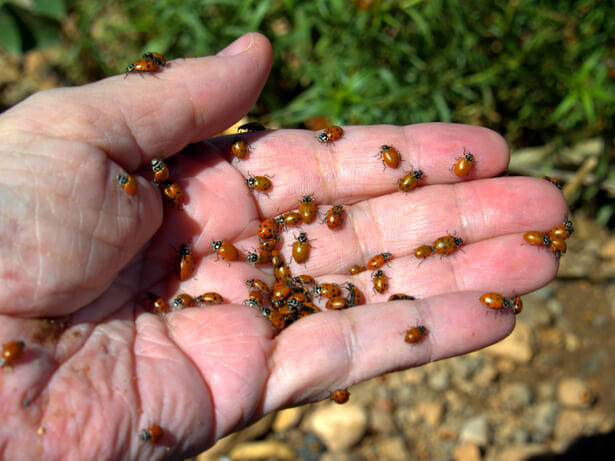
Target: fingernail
{"points": [[238, 46]]}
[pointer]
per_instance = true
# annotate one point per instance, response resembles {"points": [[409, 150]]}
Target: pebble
{"points": [[486, 375], [287, 419], [392, 449], [340, 426], [431, 411], [569, 425], [519, 346], [467, 452], [574, 393], [516, 395], [266, 449], [540, 419], [440, 380], [475, 430]]}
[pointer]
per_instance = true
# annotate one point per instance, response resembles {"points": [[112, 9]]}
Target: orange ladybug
{"points": [[307, 209], [269, 244], [301, 248], [553, 181], [337, 302], [409, 181], [415, 334], [562, 231], [304, 279], [157, 303], [259, 258], [422, 252], [390, 156], [161, 171], [275, 318], [142, 65], [494, 300], [239, 148], [259, 183], [380, 281], [185, 263], [335, 217], [537, 238], [289, 219], [354, 295], [446, 245], [156, 57], [401, 297], [209, 298], [517, 305], [340, 396], [128, 183], [378, 261], [464, 164], [558, 247], [11, 352], [171, 194], [259, 285], [225, 250], [183, 300], [151, 434], [277, 259], [356, 269], [326, 290], [282, 273], [330, 134], [268, 229]]}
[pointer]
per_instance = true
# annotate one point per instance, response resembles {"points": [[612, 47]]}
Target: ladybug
{"points": [[537, 238], [409, 181], [326, 290], [270, 244], [422, 252], [128, 183], [259, 183], [378, 261], [356, 269], [275, 318], [464, 164], [558, 247], [354, 295], [301, 248], [447, 244], [171, 194], [225, 250], [151, 435], [390, 156], [380, 281], [185, 263], [299, 297], [415, 334], [517, 305], [562, 231], [307, 209], [290, 218], [494, 300], [268, 229], [401, 297], [337, 302], [304, 279], [340, 396], [330, 134], [276, 258], [309, 307], [282, 273], [259, 285], [254, 296], [183, 300], [161, 171], [11, 352], [142, 65], [280, 291], [158, 303], [209, 298], [335, 217], [239, 148], [250, 127], [156, 57], [555, 182], [260, 257]]}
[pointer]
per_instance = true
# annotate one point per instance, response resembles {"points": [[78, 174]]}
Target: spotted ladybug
{"points": [[340, 396], [447, 244], [307, 209], [335, 217], [161, 171], [415, 334], [225, 250], [128, 183], [330, 134]]}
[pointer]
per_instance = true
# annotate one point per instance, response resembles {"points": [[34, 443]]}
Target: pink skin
{"points": [[74, 243]]}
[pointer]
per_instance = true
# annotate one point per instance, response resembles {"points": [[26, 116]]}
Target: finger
{"points": [[350, 169], [137, 119], [338, 349]]}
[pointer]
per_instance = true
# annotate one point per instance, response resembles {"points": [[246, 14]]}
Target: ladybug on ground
{"points": [[340, 396], [330, 134]]}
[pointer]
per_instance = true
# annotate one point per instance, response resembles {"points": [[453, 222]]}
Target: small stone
{"points": [[381, 421], [541, 420], [467, 452], [569, 425], [287, 419], [440, 380], [486, 375], [266, 449], [431, 412], [392, 448], [574, 393], [555, 307], [447, 433], [475, 430], [519, 346], [516, 395], [339, 426]]}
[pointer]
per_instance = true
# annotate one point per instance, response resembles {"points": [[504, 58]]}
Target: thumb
{"points": [[66, 147]]}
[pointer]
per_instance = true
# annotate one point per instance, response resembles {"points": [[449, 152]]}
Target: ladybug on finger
{"points": [[390, 156], [307, 209], [409, 181], [335, 217], [340, 396], [463, 165], [185, 263], [128, 183], [259, 183], [156, 57], [330, 134]]}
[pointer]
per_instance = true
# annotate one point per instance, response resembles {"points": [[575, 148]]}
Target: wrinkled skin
{"points": [[75, 247]]}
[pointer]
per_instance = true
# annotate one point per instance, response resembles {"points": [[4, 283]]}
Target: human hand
{"points": [[76, 245]]}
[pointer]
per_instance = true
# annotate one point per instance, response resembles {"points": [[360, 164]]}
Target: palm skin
{"points": [[77, 248]]}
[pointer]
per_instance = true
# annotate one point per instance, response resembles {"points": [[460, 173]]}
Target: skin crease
{"points": [[76, 247]]}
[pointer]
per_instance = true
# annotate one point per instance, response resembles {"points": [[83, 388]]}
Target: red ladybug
{"points": [[301, 248], [157, 303], [335, 217], [225, 250], [327, 290], [537, 238], [422, 252], [275, 318], [381, 282], [171, 194], [250, 127], [276, 258], [142, 65], [517, 305], [464, 164], [378, 261], [356, 269], [11, 352], [183, 300], [409, 181], [259, 183], [255, 296], [209, 298], [390, 156], [151, 434], [161, 171], [239, 148], [331, 134], [307, 209], [494, 300], [446, 245], [270, 244], [558, 247], [289, 219], [128, 183], [415, 334], [282, 273], [563, 231], [304, 279], [259, 285], [268, 229], [259, 258], [185, 263], [337, 302], [401, 297], [340, 396], [156, 57]]}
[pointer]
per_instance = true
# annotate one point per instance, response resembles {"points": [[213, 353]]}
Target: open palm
{"points": [[77, 249]]}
